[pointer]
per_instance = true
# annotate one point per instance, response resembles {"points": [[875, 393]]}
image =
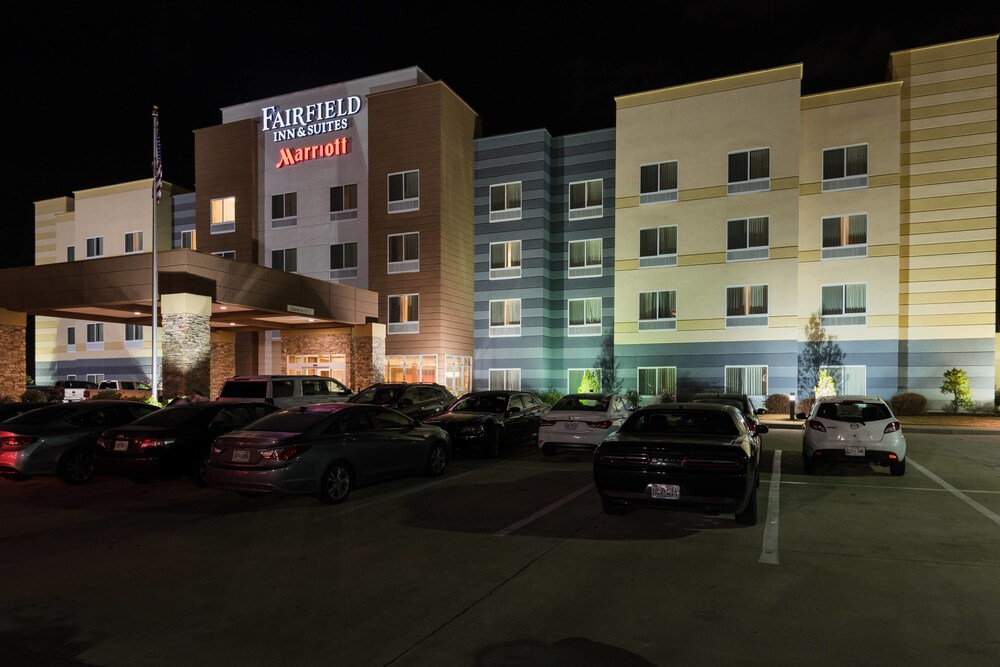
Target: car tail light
{"points": [[11, 442], [547, 422], [891, 427], [284, 453], [712, 462], [152, 443], [606, 423], [86, 393], [624, 458], [816, 426]]}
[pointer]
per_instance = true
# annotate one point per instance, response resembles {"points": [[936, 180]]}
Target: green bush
{"points": [[996, 399], [108, 394], [956, 383], [908, 404], [33, 396], [776, 403], [632, 396], [550, 395]]}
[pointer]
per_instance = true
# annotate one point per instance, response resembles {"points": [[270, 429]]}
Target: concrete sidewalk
{"points": [[907, 428]]}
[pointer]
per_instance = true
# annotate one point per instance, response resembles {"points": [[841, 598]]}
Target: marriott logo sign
{"points": [[289, 156]]}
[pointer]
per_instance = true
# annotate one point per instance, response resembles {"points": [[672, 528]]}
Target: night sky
{"points": [[81, 83]]}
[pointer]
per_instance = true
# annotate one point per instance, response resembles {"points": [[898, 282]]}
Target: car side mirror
{"points": [[761, 429], [800, 415], [761, 411]]}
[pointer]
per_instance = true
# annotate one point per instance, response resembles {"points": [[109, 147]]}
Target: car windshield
{"points": [[481, 404], [681, 422], [44, 415], [584, 403], [378, 395], [854, 411], [171, 416], [720, 401], [288, 421], [243, 389]]}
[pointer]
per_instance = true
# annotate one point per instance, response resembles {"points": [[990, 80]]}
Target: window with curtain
{"points": [[95, 246], [404, 252], [585, 317], [657, 305], [505, 260], [404, 191], [284, 205], [344, 201], [133, 242], [845, 162], [750, 170], [505, 318], [223, 215], [586, 199], [844, 304], [848, 380], [505, 202], [404, 313], [657, 381], [658, 182], [343, 261], [845, 236], [505, 378], [285, 260], [586, 258], [747, 239], [658, 246], [751, 380], [746, 300]]}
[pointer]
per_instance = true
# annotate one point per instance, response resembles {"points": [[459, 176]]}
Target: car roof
{"points": [[589, 395], [259, 378], [679, 407], [850, 398]]}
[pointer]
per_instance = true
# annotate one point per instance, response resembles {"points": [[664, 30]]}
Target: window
{"points": [[133, 242], [586, 258], [71, 339], [225, 254], [458, 374], [751, 380], [746, 238], [404, 314], [574, 378], [188, 240], [343, 261], [95, 247], [344, 202], [844, 305], [404, 191], [586, 199], [657, 310], [324, 365], [411, 368], [845, 236], [750, 171], [746, 306], [505, 318], [404, 252], [585, 317], [70, 253], [284, 208], [658, 247], [95, 336], [285, 259], [505, 260], [658, 182], [223, 215], [98, 378], [845, 167], [505, 378], [848, 380], [658, 381], [505, 202], [133, 336]]}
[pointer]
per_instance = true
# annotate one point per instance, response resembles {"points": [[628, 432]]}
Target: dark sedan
{"points": [[686, 456], [61, 438], [173, 441], [485, 421], [325, 450]]}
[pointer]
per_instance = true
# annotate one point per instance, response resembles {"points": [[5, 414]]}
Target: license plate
{"points": [[569, 426], [121, 445], [854, 451], [665, 491], [241, 456]]}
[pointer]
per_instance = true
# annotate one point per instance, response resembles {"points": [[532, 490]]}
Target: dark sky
{"points": [[81, 83]]}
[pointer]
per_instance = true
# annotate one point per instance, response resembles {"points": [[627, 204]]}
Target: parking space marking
{"points": [[542, 512], [989, 514], [769, 547]]}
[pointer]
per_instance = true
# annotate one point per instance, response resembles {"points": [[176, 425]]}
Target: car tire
{"points": [[748, 517], [76, 467], [493, 446], [437, 460], [548, 450], [898, 469], [200, 473], [611, 508], [808, 464], [336, 483]]}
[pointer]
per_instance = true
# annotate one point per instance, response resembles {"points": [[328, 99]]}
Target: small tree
{"points": [[824, 384], [589, 384], [610, 368], [956, 383]]}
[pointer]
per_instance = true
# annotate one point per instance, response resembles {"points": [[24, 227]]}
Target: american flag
{"points": [[157, 158]]}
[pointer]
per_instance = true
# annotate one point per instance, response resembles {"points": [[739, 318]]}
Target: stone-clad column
{"points": [[223, 360], [187, 349], [367, 363], [13, 373]]}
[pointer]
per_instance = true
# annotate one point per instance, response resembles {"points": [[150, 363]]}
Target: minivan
{"points": [[284, 390]]}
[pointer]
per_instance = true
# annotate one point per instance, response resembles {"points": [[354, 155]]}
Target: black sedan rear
{"points": [[681, 456]]}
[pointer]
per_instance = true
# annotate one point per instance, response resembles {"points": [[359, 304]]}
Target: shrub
{"points": [[632, 396], [32, 396], [550, 395], [983, 407], [776, 403], [666, 398], [824, 385], [996, 399], [108, 394], [806, 405], [956, 383], [908, 404]]}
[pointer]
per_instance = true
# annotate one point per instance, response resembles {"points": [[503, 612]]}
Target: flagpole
{"points": [[157, 178]]}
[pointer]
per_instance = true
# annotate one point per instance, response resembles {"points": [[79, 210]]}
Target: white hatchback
{"points": [[581, 421], [853, 429]]}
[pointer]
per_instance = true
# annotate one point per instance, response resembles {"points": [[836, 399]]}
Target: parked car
{"points": [[60, 438], [325, 450], [75, 390], [127, 388], [284, 391], [9, 410], [173, 441], [741, 401], [485, 421], [681, 456], [853, 429], [418, 400], [581, 421]]}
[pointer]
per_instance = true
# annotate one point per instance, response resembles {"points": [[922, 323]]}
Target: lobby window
{"points": [[344, 202], [505, 260], [658, 247], [586, 199], [508, 379], [585, 317], [95, 247], [658, 182], [225, 254], [848, 380], [657, 310], [749, 171], [133, 242], [343, 261], [95, 336], [133, 335], [586, 258], [746, 306], [285, 259], [845, 167], [404, 314], [284, 209], [657, 381], [845, 236], [189, 240], [404, 252], [844, 305], [71, 339], [71, 253], [411, 368], [223, 212], [458, 374], [746, 239], [505, 202], [750, 380], [505, 318], [404, 191]]}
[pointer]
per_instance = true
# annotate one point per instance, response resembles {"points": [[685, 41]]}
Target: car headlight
{"points": [[475, 431]]}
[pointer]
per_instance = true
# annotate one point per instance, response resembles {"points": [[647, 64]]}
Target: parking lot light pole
{"points": [[791, 406]]}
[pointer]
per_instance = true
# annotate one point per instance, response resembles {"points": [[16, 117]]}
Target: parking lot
{"points": [[512, 561]]}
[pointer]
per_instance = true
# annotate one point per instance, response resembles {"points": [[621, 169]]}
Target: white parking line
{"points": [[542, 512], [989, 514], [769, 547]]}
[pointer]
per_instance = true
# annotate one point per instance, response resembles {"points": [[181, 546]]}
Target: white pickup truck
{"points": [[127, 388], [75, 390]]}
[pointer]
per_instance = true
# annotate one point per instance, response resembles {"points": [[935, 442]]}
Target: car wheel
{"points": [[548, 450], [336, 483], [437, 460], [76, 467], [493, 446], [612, 508], [808, 463], [200, 475], [898, 469], [748, 517]]}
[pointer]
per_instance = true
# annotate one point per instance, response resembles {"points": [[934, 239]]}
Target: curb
{"points": [[914, 428]]}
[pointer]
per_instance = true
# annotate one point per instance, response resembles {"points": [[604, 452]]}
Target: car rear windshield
{"points": [[378, 396], [481, 404], [854, 411], [244, 389], [44, 415], [288, 422], [580, 403], [681, 422]]}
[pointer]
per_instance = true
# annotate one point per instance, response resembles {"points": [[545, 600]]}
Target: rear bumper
{"points": [[713, 494], [281, 481], [881, 457]]}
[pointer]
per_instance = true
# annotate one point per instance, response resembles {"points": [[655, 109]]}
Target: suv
{"points": [[284, 390], [127, 388], [853, 429], [741, 402], [417, 400]]}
